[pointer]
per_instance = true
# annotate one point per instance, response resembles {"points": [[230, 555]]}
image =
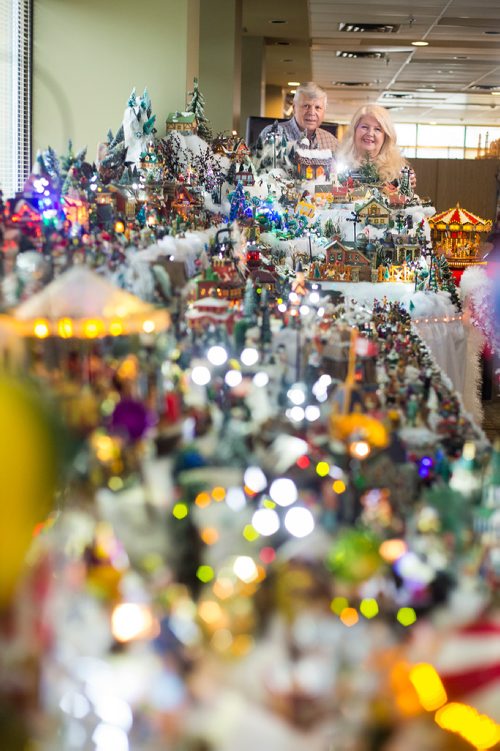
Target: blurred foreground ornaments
{"points": [[354, 556], [131, 419], [28, 467]]}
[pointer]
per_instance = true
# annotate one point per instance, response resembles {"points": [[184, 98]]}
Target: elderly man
{"points": [[309, 106]]}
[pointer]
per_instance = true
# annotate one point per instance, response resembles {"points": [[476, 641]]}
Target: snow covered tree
{"points": [[404, 183], [197, 106]]}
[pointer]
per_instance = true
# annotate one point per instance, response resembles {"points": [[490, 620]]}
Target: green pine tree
{"points": [[447, 281], [369, 172], [197, 105]]}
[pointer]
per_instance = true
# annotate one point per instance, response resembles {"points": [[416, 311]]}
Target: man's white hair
{"points": [[309, 90]]}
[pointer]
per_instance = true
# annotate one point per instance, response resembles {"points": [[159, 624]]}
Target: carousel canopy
{"points": [[457, 219], [81, 303]]}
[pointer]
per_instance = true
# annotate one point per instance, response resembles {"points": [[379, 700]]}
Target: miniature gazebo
{"points": [[457, 233]]}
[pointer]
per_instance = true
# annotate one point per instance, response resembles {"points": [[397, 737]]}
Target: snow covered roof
{"points": [[181, 117], [319, 154]]}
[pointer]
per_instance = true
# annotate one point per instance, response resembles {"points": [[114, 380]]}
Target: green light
{"points": [[205, 574], [268, 503], [369, 608], [250, 533], [180, 510], [338, 604], [406, 616], [322, 469]]}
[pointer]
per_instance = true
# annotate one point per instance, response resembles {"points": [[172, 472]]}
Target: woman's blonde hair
{"points": [[389, 161]]}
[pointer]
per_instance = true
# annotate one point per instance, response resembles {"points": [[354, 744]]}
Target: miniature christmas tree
{"points": [[433, 279], [238, 203], [447, 281], [368, 172], [197, 105]]}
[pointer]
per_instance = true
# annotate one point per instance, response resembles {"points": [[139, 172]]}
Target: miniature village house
{"points": [[343, 264], [184, 202], [210, 311], [245, 174], [323, 194], [21, 214], [313, 163], [374, 212], [183, 122], [149, 159], [76, 211], [221, 280]]}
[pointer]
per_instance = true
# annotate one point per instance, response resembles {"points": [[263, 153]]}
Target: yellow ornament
{"points": [[27, 477]]}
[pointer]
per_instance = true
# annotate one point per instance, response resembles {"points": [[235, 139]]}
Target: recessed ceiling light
{"points": [[427, 90], [278, 20], [293, 83], [433, 122], [460, 57], [420, 43], [293, 91]]}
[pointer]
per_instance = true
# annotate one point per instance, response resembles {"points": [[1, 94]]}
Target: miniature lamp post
{"points": [[310, 246], [354, 218]]}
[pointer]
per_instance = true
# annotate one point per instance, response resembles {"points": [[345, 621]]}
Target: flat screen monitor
{"points": [[256, 124]]}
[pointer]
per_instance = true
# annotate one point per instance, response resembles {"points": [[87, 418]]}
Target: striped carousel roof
{"points": [[461, 219]]}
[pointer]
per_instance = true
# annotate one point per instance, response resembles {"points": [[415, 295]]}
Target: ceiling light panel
{"points": [[368, 28]]}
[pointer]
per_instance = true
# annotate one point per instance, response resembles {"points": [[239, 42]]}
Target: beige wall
{"points": [[274, 101], [89, 54], [471, 182], [220, 62]]}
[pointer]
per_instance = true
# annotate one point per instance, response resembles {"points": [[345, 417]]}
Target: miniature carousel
{"points": [[456, 233]]}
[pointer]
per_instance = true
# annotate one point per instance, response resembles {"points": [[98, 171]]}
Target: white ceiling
{"points": [[449, 81]]}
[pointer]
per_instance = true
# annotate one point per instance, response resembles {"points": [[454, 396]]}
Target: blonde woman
{"points": [[371, 137]]}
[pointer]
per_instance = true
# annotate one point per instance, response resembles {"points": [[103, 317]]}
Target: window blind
{"points": [[15, 94]]}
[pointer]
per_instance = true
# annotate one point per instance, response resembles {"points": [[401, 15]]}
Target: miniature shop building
{"points": [[374, 212], [76, 211], [182, 122]]}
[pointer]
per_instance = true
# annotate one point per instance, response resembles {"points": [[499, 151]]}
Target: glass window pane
{"points": [[439, 152], [407, 133], [472, 133], [440, 135]]}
